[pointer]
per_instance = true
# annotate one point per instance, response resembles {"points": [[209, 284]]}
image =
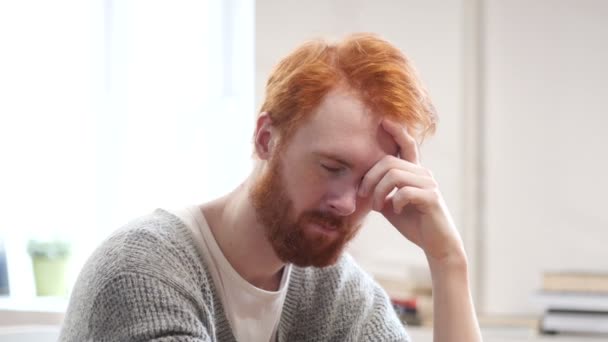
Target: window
{"points": [[112, 108]]}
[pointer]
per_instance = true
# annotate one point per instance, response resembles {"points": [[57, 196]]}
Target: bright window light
{"points": [[110, 109]]}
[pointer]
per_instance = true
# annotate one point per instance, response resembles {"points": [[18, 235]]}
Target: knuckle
{"points": [[435, 195], [393, 173], [391, 160], [404, 193]]}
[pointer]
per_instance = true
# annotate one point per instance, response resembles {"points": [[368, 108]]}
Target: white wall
{"points": [[546, 160], [430, 33]]}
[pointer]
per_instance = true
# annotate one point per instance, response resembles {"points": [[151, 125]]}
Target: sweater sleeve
{"points": [[382, 321], [139, 307], [338, 303], [145, 283]]}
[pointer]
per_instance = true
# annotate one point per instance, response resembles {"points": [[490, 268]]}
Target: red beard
{"points": [[289, 237]]}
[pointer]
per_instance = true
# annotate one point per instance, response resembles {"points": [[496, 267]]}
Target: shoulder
{"points": [[148, 271], [341, 301], [158, 244], [346, 270], [343, 283]]}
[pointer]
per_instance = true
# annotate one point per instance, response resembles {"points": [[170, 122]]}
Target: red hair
{"points": [[376, 70]]}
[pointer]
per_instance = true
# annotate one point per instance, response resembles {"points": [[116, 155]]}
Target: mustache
{"points": [[326, 219]]}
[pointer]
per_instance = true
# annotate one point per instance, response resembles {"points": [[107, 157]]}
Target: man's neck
{"points": [[241, 238]]}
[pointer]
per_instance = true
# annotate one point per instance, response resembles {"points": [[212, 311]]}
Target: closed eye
{"points": [[332, 169]]}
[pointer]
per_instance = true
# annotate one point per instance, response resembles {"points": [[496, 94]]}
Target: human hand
{"points": [[416, 207]]}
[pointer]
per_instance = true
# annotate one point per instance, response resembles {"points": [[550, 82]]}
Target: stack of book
{"points": [[574, 302], [412, 300], [407, 311]]}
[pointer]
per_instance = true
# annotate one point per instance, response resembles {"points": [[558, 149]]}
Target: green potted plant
{"points": [[49, 260]]}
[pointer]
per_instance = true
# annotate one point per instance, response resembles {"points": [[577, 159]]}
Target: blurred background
{"points": [[109, 109]]}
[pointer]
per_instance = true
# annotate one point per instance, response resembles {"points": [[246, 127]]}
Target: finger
{"points": [[421, 198], [396, 178], [408, 148], [373, 176]]}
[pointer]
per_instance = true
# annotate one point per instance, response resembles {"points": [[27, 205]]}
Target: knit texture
{"points": [[147, 283]]}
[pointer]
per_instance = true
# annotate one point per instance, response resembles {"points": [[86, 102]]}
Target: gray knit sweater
{"points": [[147, 283]]}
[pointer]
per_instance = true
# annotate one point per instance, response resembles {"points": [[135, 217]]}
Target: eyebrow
{"points": [[333, 157]]}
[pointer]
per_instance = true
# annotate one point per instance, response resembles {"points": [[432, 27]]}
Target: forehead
{"points": [[343, 126]]}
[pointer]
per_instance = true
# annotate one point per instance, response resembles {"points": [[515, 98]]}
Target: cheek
{"points": [[364, 207], [310, 197], [306, 189]]}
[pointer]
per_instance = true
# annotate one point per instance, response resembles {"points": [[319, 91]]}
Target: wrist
{"points": [[450, 264]]}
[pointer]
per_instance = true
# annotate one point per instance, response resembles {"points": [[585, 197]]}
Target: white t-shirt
{"points": [[253, 313]]}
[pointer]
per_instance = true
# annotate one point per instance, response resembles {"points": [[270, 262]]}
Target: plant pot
{"points": [[49, 274]]}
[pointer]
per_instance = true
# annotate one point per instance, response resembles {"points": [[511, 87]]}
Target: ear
{"points": [[265, 137]]}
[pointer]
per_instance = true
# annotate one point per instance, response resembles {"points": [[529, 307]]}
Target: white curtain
{"points": [[111, 108]]}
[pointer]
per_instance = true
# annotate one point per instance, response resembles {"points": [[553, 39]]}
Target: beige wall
{"points": [[542, 112], [545, 155]]}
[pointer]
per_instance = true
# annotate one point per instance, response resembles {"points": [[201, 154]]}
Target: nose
{"points": [[343, 202]]}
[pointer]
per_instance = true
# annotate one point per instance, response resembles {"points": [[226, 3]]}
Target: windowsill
{"points": [[36, 304], [32, 311], [29, 333]]}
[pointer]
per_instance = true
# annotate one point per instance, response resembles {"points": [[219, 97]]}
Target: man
{"points": [[335, 139]]}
